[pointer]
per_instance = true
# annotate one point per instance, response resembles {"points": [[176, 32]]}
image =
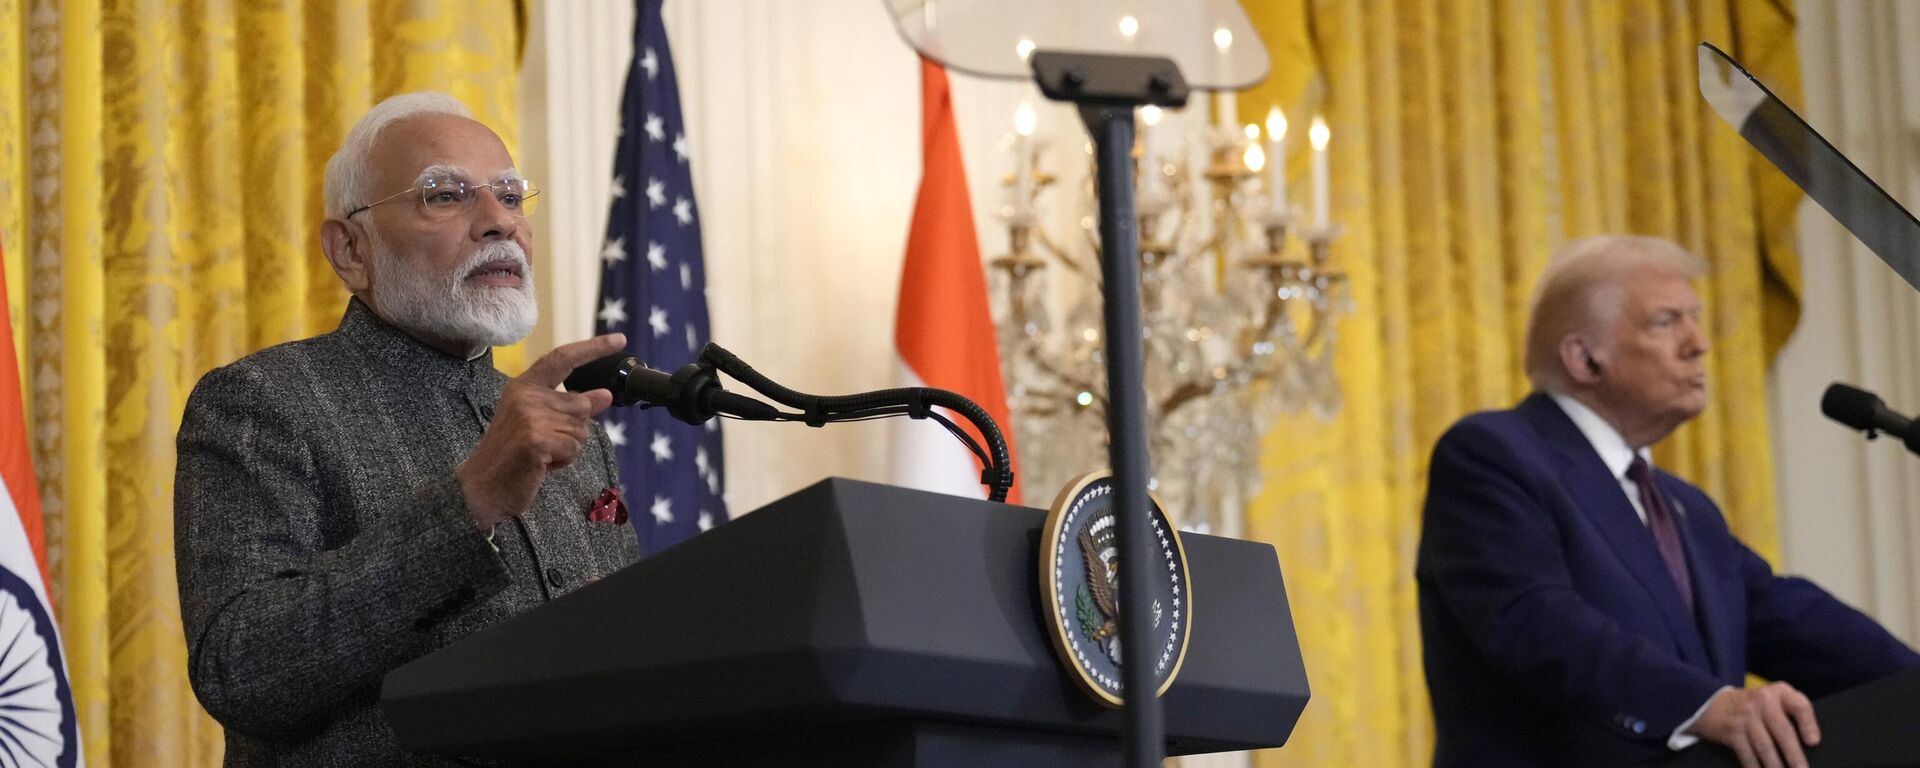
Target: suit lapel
{"points": [[1708, 592], [1604, 503]]}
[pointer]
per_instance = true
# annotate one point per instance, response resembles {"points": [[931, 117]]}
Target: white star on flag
{"points": [[700, 460], [657, 319], [650, 63], [686, 277], [662, 510], [613, 311], [706, 521], [655, 130], [662, 448], [693, 338], [616, 250], [619, 190], [683, 210], [680, 149], [616, 432], [656, 193], [657, 256]]}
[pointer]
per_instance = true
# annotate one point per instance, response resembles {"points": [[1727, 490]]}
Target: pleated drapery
{"points": [[160, 173], [1468, 140]]}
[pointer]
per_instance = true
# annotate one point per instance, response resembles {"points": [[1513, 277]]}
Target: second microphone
{"points": [[1865, 411]]}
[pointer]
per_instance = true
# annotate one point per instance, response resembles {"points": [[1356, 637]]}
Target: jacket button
{"points": [[554, 579]]}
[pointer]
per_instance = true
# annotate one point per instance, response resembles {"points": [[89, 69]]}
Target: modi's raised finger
{"points": [[553, 367]]}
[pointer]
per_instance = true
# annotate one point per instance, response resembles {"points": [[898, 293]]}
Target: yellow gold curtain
{"points": [[160, 176], [1470, 138]]}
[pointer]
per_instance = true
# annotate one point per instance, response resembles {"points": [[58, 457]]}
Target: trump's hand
{"points": [[535, 429], [1764, 726]]}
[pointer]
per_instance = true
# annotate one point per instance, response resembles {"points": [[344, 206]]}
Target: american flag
{"points": [[653, 289]]}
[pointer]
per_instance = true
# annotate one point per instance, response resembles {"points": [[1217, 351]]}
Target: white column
{"points": [[575, 69]]}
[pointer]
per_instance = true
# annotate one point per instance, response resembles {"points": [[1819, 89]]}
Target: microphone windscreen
{"points": [[609, 373], [1850, 406]]}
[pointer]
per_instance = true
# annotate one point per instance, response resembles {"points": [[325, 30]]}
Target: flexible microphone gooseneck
{"points": [[913, 402], [693, 395]]}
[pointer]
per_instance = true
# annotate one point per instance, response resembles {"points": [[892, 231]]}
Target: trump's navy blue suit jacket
{"points": [[1554, 636]]}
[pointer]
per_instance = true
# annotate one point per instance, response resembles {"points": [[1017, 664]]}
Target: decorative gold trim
{"points": [[1186, 632], [1049, 561]]}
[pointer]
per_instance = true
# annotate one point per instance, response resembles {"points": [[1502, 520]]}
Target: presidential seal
{"points": [[1080, 588]]}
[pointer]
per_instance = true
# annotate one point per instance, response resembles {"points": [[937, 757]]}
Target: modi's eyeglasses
{"points": [[443, 196]]}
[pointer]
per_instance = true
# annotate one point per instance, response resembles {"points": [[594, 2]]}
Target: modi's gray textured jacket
{"points": [[322, 540]]}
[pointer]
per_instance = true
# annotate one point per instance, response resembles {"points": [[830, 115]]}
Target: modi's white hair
{"points": [[348, 172]]}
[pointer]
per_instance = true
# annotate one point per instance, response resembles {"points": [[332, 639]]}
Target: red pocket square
{"points": [[608, 508]]}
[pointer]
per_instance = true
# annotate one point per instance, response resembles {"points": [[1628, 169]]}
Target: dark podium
{"points": [[849, 624], [1875, 725]]}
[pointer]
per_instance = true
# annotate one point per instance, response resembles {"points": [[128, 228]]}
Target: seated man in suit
{"points": [[350, 502], [1581, 608]]}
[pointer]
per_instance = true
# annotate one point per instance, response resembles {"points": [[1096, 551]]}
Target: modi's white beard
{"points": [[448, 307]]}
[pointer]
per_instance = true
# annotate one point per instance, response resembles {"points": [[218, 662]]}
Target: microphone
{"points": [[691, 394], [1865, 411]]}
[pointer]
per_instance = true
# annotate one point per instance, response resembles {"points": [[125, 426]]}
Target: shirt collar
{"points": [[1606, 441], [408, 356]]}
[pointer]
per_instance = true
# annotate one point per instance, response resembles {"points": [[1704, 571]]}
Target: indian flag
{"points": [[943, 331], [36, 704]]}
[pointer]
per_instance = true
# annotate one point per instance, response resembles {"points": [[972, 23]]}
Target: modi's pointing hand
{"points": [[536, 429]]}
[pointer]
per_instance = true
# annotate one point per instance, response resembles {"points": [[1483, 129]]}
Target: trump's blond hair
{"points": [[1582, 290]]}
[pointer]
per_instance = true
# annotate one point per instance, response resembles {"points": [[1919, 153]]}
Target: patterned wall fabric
{"points": [[1470, 138], [160, 177]]}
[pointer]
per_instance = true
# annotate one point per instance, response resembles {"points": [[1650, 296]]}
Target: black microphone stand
{"points": [[1107, 89]]}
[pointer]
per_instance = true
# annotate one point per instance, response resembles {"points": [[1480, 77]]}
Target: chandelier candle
{"points": [[1223, 106], [1277, 159], [1319, 135], [1023, 125], [1149, 166]]}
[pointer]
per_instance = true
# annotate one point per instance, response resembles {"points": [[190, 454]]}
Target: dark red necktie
{"points": [[1665, 536]]}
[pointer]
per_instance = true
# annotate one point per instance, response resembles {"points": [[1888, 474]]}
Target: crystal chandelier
{"points": [[1239, 328]]}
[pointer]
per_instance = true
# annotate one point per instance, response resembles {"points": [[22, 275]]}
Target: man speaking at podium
{"points": [[1579, 607], [353, 501]]}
